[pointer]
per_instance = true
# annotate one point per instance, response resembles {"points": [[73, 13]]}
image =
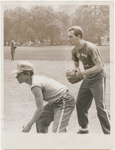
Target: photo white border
{"points": [[62, 141]]}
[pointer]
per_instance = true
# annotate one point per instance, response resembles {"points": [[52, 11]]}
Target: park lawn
{"points": [[19, 102], [50, 53], [52, 61]]}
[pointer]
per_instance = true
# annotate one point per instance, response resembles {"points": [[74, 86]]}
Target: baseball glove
{"points": [[74, 75]]}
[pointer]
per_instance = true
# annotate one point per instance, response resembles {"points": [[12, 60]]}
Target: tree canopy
{"points": [[94, 20], [43, 24]]}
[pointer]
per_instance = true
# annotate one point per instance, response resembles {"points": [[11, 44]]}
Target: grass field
{"points": [[18, 100], [50, 53]]}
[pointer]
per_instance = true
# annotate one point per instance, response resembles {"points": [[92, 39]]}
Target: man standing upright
{"points": [[94, 80], [13, 47]]}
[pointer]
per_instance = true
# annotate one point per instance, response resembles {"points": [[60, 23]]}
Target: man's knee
{"points": [[40, 128]]}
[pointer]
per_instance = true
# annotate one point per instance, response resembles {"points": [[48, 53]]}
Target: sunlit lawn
{"points": [[50, 53], [19, 101]]}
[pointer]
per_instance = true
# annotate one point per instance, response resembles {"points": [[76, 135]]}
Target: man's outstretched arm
{"points": [[39, 103]]}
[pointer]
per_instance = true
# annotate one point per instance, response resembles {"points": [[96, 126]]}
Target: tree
{"points": [[47, 24], [19, 17], [42, 16], [7, 26], [64, 22], [94, 19], [53, 31], [101, 16]]}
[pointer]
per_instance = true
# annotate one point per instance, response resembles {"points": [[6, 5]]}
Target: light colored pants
{"points": [[58, 112]]}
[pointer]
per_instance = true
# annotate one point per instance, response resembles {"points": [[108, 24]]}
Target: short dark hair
{"points": [[30, 71], [77, 31]]}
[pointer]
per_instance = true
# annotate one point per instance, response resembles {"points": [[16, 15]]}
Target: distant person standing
{"points": [[13, 47]]}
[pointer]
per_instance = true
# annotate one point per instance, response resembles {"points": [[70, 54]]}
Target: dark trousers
{"points": [[94, 87], [12, 53]]}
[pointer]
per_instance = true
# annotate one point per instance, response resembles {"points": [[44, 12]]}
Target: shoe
{"points": [[83, 131]]}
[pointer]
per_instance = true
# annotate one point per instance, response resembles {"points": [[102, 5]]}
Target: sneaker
{"points": [[83, 131]]}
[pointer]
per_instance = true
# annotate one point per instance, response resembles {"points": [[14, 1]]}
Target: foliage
{"points": [[43, 24], [94, 20]]}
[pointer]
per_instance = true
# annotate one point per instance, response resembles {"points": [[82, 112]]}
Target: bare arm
{"points": [[39, 103], [76, 64]]}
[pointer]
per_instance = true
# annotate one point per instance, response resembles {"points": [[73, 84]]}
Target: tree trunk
{"points": [[42, 41], [99, 40], [51, 41]]}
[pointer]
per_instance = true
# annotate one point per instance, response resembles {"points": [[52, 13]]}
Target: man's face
{"points": [[72, 38], [21, 77]]}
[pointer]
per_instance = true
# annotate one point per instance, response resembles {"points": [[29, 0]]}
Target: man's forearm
{"points": [[35, 117], [76, 65], [92, 71]]}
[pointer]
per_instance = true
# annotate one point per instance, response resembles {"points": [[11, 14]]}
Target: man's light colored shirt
{"points": [[51, 89]]}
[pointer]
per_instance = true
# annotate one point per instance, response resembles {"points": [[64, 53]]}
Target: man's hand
{"points": [[79, 74], [26, 128], [74, 75]]}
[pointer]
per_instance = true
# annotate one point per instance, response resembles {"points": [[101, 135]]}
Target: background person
{"points": [[60, 102], [13, 47]]}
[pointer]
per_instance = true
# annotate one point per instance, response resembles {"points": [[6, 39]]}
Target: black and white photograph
{"points": [[57, 58]]}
